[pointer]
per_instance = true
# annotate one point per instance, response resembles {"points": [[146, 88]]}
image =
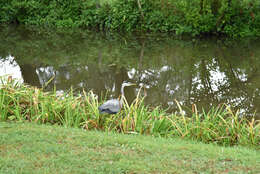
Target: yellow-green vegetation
{"points": [[193, 17], [220, 125], [32, 148]]}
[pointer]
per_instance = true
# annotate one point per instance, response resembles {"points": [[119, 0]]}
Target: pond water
{"points": [[205, 72]]}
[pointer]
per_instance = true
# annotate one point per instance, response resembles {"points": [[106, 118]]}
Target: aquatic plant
{"points": [[220, 125]]}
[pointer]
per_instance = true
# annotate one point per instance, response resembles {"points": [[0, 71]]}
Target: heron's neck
{"points": [[122, 90], [122, 94]]}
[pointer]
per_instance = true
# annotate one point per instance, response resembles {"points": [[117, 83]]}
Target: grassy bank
{"points": [[31, 148], [197, 17], [220, 125]]}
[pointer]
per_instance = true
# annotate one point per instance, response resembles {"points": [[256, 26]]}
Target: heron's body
{"points": [[113, 106]]}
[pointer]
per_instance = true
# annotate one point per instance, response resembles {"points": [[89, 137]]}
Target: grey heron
{"points": [[113, 106]]}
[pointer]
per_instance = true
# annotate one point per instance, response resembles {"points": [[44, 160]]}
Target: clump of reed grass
{"points": [[220, 125]]}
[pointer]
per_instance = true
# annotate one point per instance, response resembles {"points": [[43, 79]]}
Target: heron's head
{"points": [[124, 85]]}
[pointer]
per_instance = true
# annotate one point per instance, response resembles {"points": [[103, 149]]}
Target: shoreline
{"points": [[219, 125]]}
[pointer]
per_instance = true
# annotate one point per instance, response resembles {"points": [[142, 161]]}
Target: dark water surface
{"points": [[206, 72]]}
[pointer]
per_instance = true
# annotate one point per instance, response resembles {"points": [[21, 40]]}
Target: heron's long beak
{"points": [[132, 84]]}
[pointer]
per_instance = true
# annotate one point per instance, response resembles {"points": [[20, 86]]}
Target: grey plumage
{"points": [[113, 106]]}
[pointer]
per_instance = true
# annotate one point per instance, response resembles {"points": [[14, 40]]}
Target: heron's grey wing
{"points": [[113, 105]]}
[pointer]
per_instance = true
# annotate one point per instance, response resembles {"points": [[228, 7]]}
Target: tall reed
{"points": [[220, 125]]}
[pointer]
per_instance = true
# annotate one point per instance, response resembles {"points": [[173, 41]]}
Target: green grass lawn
{"points": [[30, 148]]}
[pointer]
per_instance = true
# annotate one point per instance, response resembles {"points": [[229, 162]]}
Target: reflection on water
{"points": [[206, 72], [9, 67]]}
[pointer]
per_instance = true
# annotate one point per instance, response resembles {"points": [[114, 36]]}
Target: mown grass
{"points": [[32, 148], [220, 125]]}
